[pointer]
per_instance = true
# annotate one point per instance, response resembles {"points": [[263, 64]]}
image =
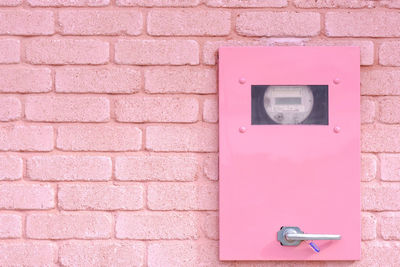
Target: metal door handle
{"points": [[292, 236]]}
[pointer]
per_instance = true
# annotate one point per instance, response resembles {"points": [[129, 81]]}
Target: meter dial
{"points": [[288, 104]]}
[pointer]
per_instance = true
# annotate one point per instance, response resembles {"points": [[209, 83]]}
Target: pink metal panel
{"points": [[289, 175]]}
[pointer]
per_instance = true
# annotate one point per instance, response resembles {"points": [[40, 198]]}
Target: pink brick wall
{"points": [[109, 119]]}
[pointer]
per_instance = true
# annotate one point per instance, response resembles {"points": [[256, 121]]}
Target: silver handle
{"points": [[296, 236], [292, 236]]}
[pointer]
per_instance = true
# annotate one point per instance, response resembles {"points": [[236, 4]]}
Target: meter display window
{"points": [[289, 104]]}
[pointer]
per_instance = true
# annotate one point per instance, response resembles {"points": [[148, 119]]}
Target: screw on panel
{"points": [[242, 129], [242, 80], [336, 81]]}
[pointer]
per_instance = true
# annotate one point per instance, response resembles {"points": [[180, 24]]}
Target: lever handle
{"points": [[292, 236], [296, 236]]}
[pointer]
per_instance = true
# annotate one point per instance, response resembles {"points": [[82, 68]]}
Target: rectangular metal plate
{"points": [[289, 175]]}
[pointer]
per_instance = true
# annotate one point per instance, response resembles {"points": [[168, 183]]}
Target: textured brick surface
{"points": [[10, 167], [181, 138], [26, 22], [93, 225], [100, 197], [246, 3], [9, 51], [99, 138], [380, 197], [97, 80], [26, 138], [390, 167], [88, 22], [157, 109], [375, 24], [278, 23], [178, 196], [368, 226], [69, 168], [67, 51], [25, 253], [10, 108], [25, 80], [188, 22], [157, 52], [156, 167], [109, 124], [67, 108], [181, 80], [156, 225], [62, 3], [26, 196], [102, 253], [390, 226], [380, 82], [10, 225]]}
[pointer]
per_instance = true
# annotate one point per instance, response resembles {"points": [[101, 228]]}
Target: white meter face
{"points": [[288, 104]]}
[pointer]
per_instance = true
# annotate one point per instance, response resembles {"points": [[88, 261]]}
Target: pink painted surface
{"points": [[289, 175]]}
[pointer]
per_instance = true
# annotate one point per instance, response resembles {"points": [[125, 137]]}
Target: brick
{"points": [[26, 22], [368, 167], [100, 22], [210, 226], [247, 3], [366, 48], [10, 168], [85, 225], [189, 22], [380, 82], [278, 23], [389, 54], [390, 167], [390, 3], [69, 168], [185, 253], [67, 51], [156, 225], [157, 52], [25, 80], [10, 108], [172, 254], [98, 80], [334, 3], [10, 2], [389, 225], [366, 24], [28, 253], [380, 138], [99, 138], [389, 109], [182, 138], [100, 197], [388, 254], [380, 197], [61, 3], [10, 225], [368, 108], [157, 109], [368, 226], [9, 51], [181, 80], [26, 196], [26, 138], [102, 253], [156, 167], [210, 110], [158, 3], [67, 109], [182, 196], [211, 167]]}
